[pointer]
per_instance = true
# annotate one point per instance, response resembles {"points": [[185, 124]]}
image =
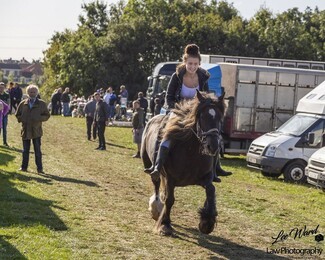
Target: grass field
{"points": [[93, 205]]}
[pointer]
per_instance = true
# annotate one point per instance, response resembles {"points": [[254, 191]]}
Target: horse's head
{"points": [[209, 117]]}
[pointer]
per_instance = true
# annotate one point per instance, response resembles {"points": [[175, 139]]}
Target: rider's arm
{"points": [[172, 87]]}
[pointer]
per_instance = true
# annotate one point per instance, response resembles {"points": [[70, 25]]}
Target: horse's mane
{"points": [[184, 117]]}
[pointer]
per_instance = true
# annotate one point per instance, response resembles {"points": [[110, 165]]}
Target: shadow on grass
{"points": [[221, 246], [19, 208], [119, 146], [7, 251], [12, 148], [65, 179], [234, 161], [5, 158]]}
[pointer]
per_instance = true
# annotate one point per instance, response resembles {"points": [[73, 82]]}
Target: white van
{"points": [[315, 170], [288, 149]]}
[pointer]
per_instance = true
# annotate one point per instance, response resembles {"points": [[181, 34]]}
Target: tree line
{"points": [[121, 43]]}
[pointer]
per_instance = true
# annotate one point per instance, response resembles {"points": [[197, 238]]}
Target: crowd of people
{"points": [[65, 104], [105, 106], [99, 110]]}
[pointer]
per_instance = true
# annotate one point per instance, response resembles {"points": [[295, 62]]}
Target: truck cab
{"points": [[287, 150]]}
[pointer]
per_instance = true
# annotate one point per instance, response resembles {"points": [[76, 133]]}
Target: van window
{"points": [[288, 65], [311, 96], [303, 66], [274, 64], [297, 125], [318, 130], [317, 67]]}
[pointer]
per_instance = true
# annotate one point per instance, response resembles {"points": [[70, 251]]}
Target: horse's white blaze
{"points": [[212, 112]]}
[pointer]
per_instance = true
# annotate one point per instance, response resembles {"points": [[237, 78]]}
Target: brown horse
{"points": [[193, 129]]}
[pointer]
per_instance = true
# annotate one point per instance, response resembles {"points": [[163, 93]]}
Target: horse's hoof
{"points": [[207, 226], [165, 230]]}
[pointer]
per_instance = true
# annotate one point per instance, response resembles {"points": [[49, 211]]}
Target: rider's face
{"points": [[192, 64]]}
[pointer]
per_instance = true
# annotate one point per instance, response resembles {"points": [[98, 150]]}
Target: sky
{"points": [[27, 25]]}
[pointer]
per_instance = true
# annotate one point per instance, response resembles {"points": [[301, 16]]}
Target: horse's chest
{"points": [[190, 160]]}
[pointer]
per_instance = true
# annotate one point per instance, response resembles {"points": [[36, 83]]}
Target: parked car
{"points": [[315, 170]]}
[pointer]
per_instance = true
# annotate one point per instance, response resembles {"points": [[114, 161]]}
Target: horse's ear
{"points": [[199, 96], [222, 96]]}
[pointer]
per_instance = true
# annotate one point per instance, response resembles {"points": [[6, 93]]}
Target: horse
{"points": [[194, 130]]}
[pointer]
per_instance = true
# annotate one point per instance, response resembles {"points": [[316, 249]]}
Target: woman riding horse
{"points": [[188, 78]]}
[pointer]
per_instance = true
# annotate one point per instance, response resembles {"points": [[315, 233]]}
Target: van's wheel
{"points": [[271, 174], [295, 172]]}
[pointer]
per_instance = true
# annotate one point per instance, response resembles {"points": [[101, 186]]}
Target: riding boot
{"points": [[220, 171], [215, 175], [161, 158], [150, 170]]}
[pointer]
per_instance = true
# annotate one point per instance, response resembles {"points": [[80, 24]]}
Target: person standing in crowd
{"points": [[16, 94], [56, 102], [65, 99], [137, 124], [10, 90], [89, 111], [5, 97], [157, 106], [110, 98], [31, 113], [4, 109], [123, 99], [144, 105], [101, 120]]}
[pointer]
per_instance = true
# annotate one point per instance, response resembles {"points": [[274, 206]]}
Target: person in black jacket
{"points": [[16, 96], [144, 105], [56, 102], [188, 78], [89, 111], [101, 120], [65, 99]]}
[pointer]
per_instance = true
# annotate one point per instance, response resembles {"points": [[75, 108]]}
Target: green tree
{"points": [[96, 17], [11, 76]]}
